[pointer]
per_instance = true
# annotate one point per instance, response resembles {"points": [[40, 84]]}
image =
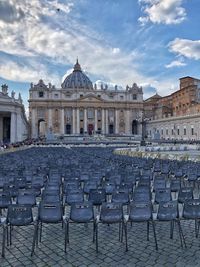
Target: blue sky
{"points": [[150, 42]]}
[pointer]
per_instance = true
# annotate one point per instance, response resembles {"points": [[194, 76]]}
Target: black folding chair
{"points": [[81, 213], [168, 212], [18, 215], [142, 212], [49, 213], [112, 213]]}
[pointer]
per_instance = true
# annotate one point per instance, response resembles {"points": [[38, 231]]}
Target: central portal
{"points": [[90, 129]]}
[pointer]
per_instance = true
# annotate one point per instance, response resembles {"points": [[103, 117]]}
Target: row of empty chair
{"points": [[85, 185]]}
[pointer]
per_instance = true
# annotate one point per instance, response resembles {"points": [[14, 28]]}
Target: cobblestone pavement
{"points": [[81, 249]]}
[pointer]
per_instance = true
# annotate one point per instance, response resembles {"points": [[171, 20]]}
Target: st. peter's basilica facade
{"points": [[78, 108]]}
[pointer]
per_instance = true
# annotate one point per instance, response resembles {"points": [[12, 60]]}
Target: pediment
{"points": [[91, 98]]}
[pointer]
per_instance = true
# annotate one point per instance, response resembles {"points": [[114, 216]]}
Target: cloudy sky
{"points": [[150, 42]]}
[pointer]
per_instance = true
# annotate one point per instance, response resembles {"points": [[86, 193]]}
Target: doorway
{"points": [[134, 127], [111, 129], [68, 129], [90, 129]]}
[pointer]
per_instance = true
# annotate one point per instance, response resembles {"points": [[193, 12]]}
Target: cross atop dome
{"points": [[77, 66]]}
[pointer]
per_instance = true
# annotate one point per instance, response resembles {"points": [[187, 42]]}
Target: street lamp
{"points": [[142, 120], [142, 142]]}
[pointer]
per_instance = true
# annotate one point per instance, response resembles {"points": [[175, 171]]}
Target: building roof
{"points": [[156, 96], [77, 79]]}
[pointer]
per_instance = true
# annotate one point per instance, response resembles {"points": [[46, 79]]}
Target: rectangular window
{"points": [[178, 131], [90, 113], [99, 114], [111, 113], [134, 96], [41, 113], [166, 131], [81, 114], [68, 113], [192, 131], [184, 131], [41, 94]]}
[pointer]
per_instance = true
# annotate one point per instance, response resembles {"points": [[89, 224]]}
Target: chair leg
{"points": [[171, 229], [154, 232], [34, 238], [196, 228], [96, 232], [7, 233], [40, 231], [126, 238], [66, 236], [67, 225], [120, 225], [10, 235], [94, 226], [148, 231], [182, 238], [4, 241]]}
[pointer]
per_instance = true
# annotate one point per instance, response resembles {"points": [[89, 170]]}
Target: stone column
{"points": [[127, 122], [19, 127], [62, 121], [116, 122], [49, 118], [73, 121], [1, 128], [13, 128], [106, 122], [34, 127], [78, 120], [95, 120], [103, 121], [85, 120]]}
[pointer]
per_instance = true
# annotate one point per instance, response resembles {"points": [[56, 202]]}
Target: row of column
{"points": [[104, 121], [15, 127], [75, 124]]}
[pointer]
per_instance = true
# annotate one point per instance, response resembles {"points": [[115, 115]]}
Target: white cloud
{"points": [[26, 73], [162, 87], [46, 33], [9, 13], [176, 63], [116, 50], [186, 48], [162, 11]]}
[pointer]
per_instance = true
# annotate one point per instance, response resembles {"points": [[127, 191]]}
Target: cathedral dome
{"points": [[77, 79]]}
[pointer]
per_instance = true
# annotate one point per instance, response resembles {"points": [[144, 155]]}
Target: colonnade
{"points": [[102, 122], [10, 130], [79, 121]]}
